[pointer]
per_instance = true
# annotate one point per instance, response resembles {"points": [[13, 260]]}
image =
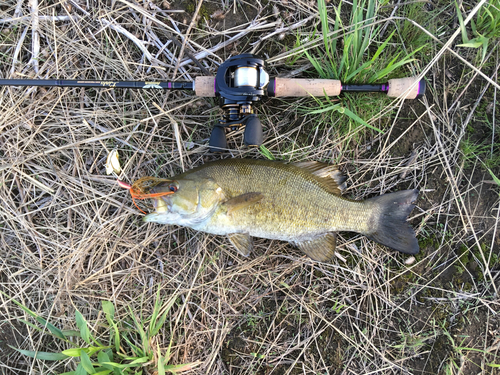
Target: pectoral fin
{"points": [[242, 242], [321, 248], [242, 201]]}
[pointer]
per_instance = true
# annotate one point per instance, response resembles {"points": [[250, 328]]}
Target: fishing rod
{"points": [[240, 82]]}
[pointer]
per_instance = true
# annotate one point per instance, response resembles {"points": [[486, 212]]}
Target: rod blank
{"points": [[164, 85]]}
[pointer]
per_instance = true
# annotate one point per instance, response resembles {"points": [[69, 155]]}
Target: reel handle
{"points": [[285, 87], [408, 88]]}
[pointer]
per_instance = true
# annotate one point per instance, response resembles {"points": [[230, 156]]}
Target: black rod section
{"points": [[365, 88], [186, 85]]}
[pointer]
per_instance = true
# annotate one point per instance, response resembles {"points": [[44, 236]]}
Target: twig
{"points": [[160, 23], [193, 21], [19, 8], [176, 133], [297, 71], [211, 51], [35, 36], [130, 36], [288, 28], [77, 6], [18, 50], [494, 110], [472, 111], [40, 18]]}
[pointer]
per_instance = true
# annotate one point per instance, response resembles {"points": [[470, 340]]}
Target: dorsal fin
{"points": [[331, 175]]}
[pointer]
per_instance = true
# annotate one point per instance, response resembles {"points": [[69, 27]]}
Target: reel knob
{"points": [[218, 141], [253, 135]]}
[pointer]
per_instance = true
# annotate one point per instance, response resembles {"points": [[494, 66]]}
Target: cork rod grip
{"points": [[305, 87], [408, 88], [204, 86]]}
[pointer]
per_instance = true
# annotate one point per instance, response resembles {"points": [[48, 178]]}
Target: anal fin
{"points": [[242, 242], [321, 248]]}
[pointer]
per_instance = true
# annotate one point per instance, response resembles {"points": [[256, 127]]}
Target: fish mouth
{"points": [[160, 206]]}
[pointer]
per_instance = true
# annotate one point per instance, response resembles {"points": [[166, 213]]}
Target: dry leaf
{"points": [[113, 163]]}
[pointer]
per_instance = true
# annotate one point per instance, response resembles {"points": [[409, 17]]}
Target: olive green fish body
{"points": [[299, 203]]}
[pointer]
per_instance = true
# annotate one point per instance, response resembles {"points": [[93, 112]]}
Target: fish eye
{"points": [[173, 188]]}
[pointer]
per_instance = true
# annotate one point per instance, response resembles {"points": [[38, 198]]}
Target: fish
{"points": [[300, 203]]}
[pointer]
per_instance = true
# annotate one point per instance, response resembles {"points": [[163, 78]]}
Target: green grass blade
{"points": [[81, 323], [359, 120], [316, 65], [495, 178], [336, 27], [161, 360], [71, 333], [102, 358], [140, 329], [266, 153], [31, 325], [109, 310], [53, 329], [323, 16], [87, 363], [73, 352], [334, 107], [366, 30], [80, 370], [117, 337], [136, 363], [41, 355], [156, 328], [361, 68], [474, 43], [183, 367], [393, 65], [156, 311], [465, 39], [104, 372]]}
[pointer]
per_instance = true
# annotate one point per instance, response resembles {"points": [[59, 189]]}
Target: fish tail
{"points": [[390, 212]]}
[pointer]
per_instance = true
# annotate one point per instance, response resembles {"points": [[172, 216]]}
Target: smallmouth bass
{"points": [[298, 202]]}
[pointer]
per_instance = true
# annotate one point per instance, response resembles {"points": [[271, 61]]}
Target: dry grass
{"points": [[71, 238]]}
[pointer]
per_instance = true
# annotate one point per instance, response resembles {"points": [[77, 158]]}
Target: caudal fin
{"points": [[390, 212]]}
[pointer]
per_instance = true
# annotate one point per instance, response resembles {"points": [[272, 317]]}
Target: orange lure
{"points": [[140, 189]]}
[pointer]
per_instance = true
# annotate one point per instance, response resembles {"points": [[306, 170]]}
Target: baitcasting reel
{"points": [[240, 82]]}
